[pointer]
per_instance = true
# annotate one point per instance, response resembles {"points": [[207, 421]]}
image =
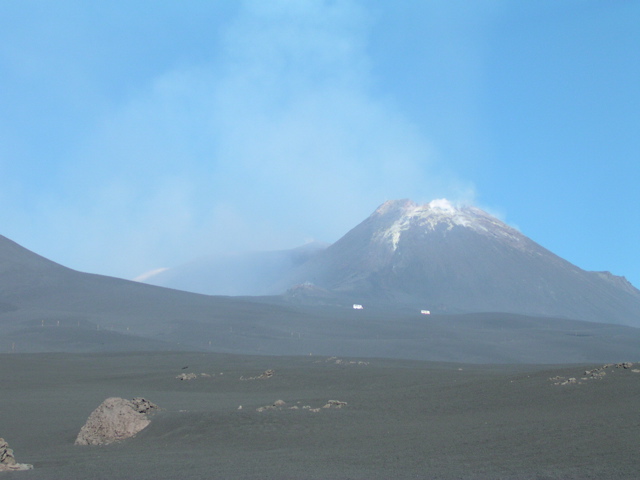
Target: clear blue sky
{"points": [[142, 134]]}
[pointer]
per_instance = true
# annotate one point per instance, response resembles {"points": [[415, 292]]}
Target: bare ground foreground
{"points": [[390, 419]]}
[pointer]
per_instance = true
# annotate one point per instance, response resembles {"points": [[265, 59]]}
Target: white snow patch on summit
{"points": [[441, 212]]}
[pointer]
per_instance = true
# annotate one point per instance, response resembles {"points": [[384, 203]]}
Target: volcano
{"points": [[461, 259], [437, 256], [384, 263]]}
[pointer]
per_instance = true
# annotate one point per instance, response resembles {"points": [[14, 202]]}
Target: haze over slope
{"points": [[435, 256], [253, 273]]}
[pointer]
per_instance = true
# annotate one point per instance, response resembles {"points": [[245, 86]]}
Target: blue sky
{"points": [[142, 134]]}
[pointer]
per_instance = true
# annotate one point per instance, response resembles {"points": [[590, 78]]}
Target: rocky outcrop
{"points": [[8, 461], [115, 419]]}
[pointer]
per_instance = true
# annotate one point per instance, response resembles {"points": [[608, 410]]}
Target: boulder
{"points": [[115, 419], [8, 461]]}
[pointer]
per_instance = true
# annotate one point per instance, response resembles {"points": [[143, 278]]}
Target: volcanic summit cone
{"points": [[461, 259]]}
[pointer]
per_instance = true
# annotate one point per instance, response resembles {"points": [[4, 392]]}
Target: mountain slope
{"points": [[48, 307], [45, 307]]}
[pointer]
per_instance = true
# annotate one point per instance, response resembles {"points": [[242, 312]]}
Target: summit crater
{"points": [[439, 214]]}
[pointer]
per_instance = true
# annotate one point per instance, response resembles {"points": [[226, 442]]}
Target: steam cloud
{"points": [[280, 141]]}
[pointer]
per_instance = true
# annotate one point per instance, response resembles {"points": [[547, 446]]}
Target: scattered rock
{"points": [[624, 365], [115, 419], [193, 376], [266, 374], [335, 404], [277, 405], [280, 404], [143, 405], [8, 461], [600, 371], [562, 381], [339, 361], [595, 374]]}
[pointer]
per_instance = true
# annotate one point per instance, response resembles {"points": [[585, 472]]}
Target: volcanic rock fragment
{"points": [[335, 404], [265, 375], [8, 461], [115, 419]]}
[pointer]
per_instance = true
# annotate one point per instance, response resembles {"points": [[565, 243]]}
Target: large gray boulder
{"points": [[115, 419], [8, 461]]}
